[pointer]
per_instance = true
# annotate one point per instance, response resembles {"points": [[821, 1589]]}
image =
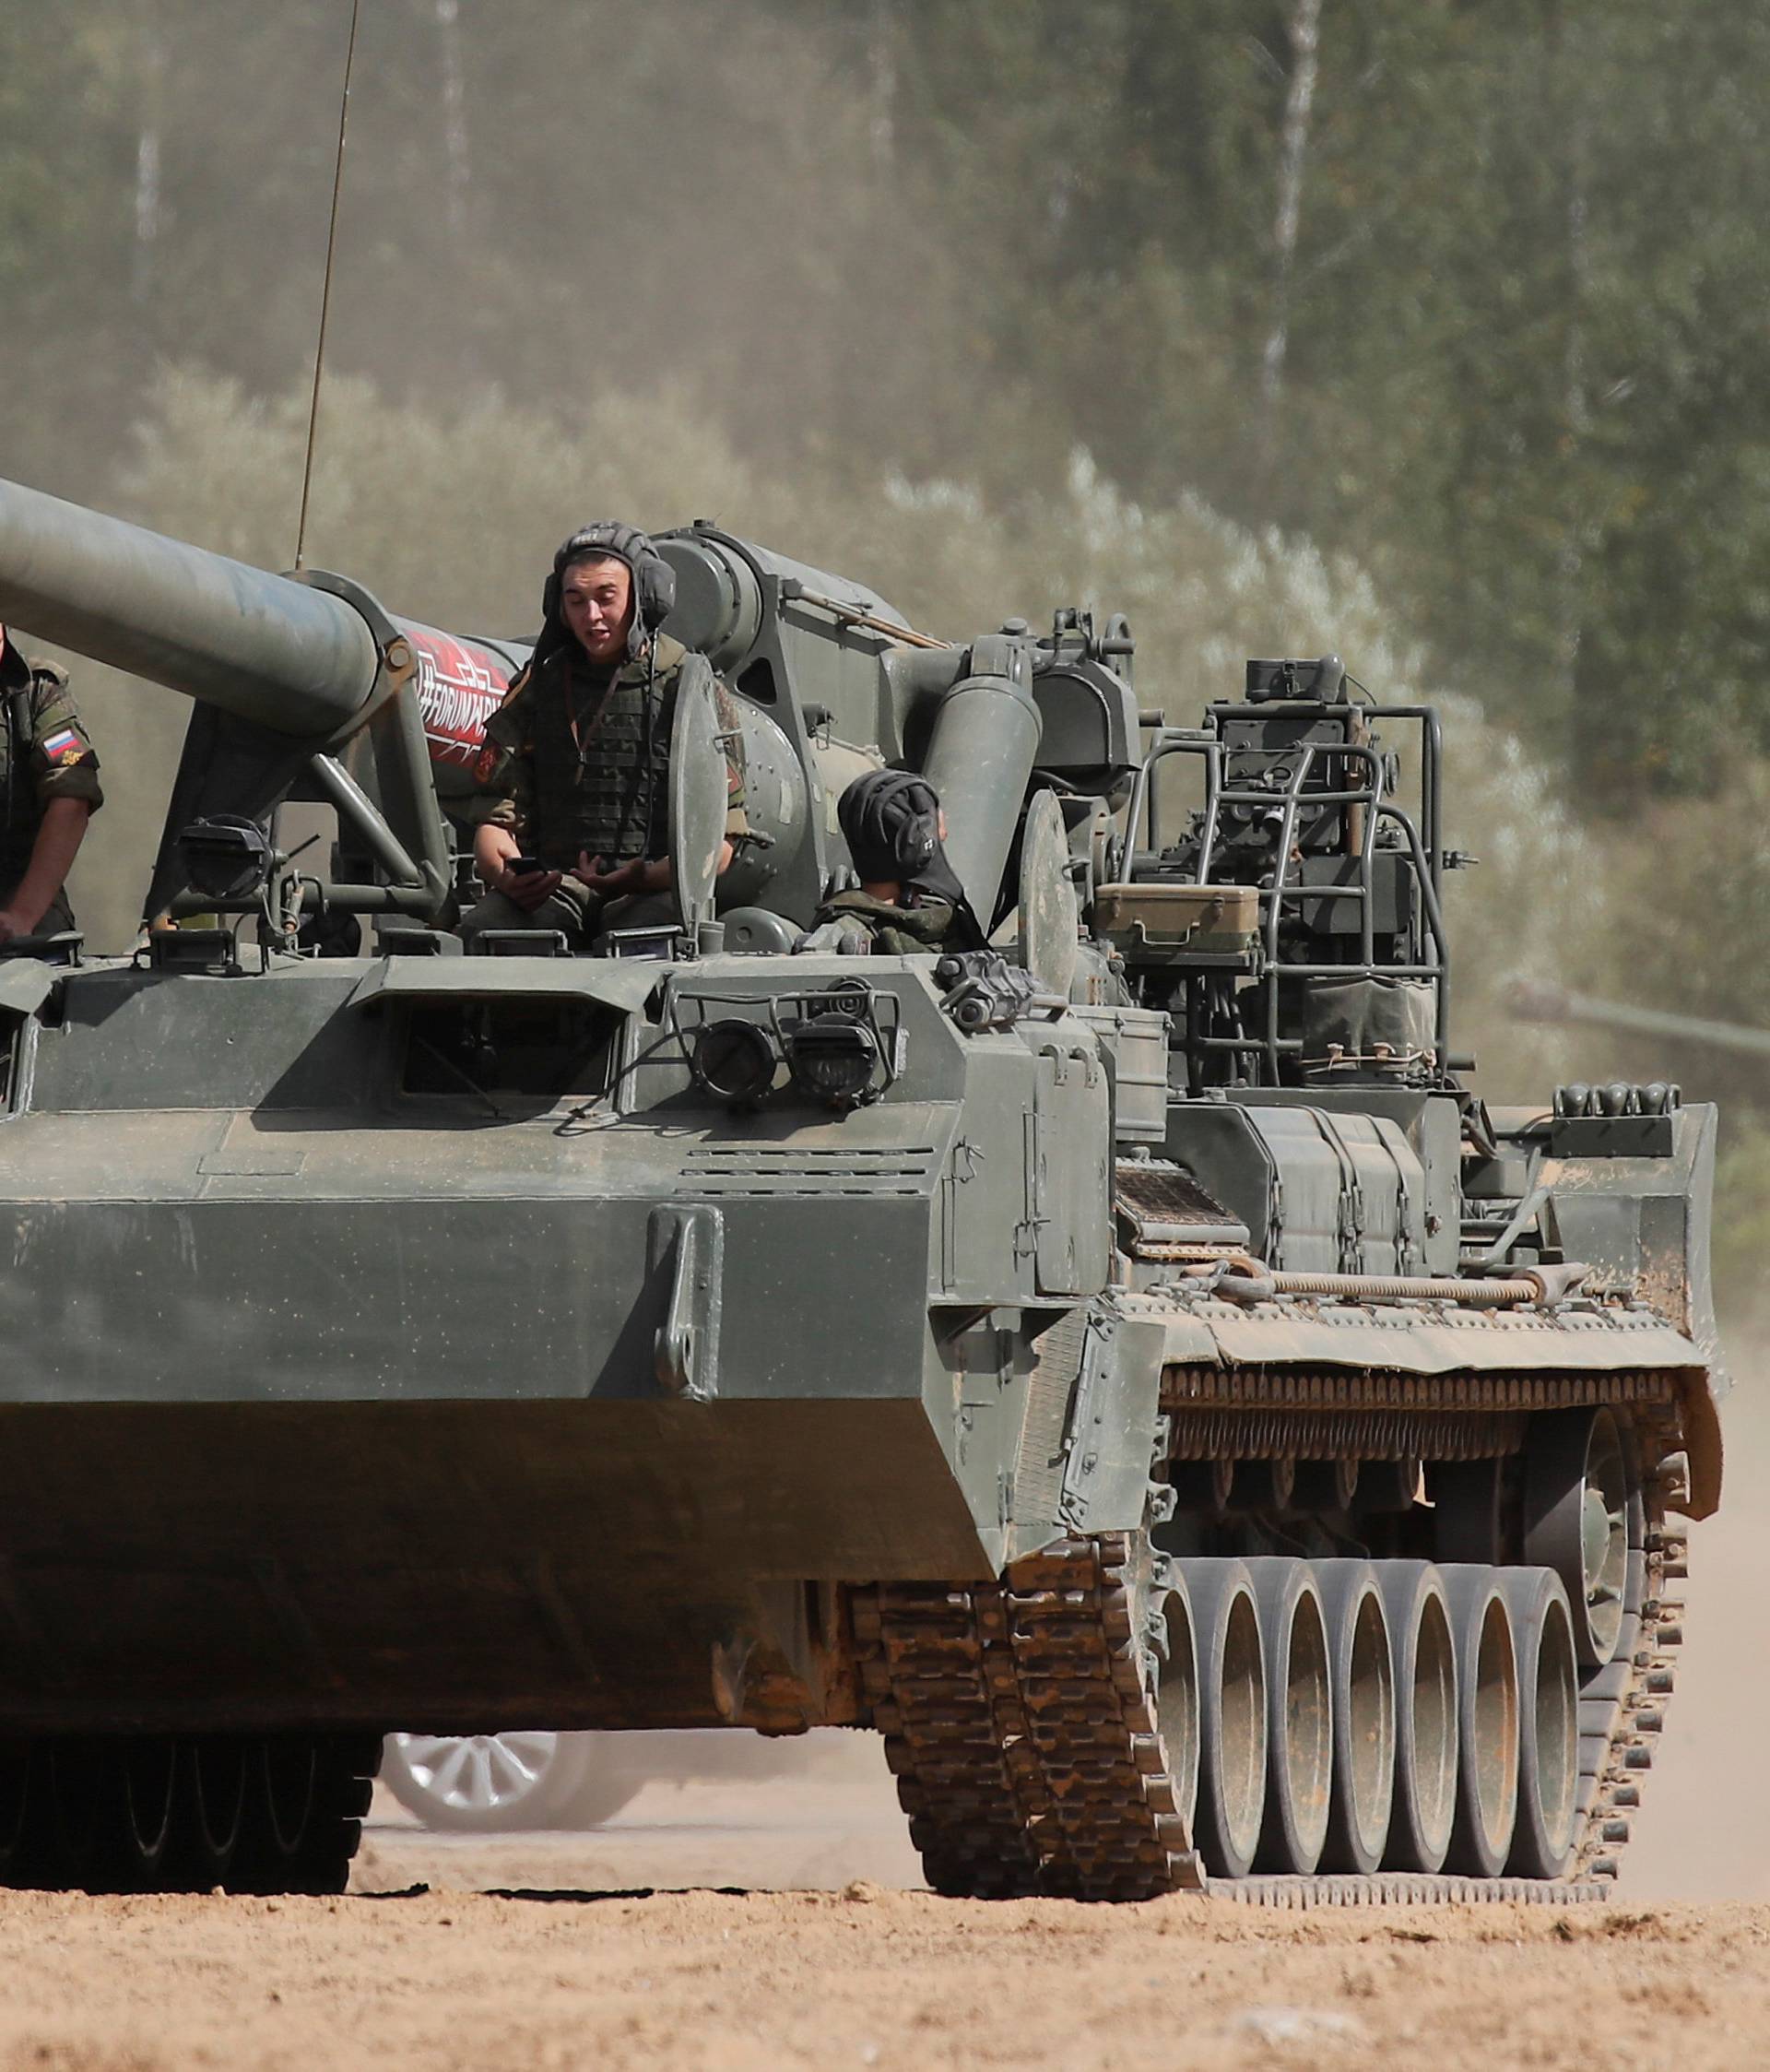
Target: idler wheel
{"points": [[1300, 1724], [1425, 1652], [1232, 1713], [1542, 1632], [1584, 1518], [1487, 1717], [1363, 1686]]}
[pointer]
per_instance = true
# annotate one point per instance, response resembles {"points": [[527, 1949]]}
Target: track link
{"points": [[1622, 1706], [1021, 1722], [1407, 1888]]}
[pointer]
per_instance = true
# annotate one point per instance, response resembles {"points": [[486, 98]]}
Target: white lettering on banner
{"points": [[458, 692]]}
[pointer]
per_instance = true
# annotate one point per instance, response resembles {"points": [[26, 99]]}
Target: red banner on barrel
{"points": [[460, 685]]}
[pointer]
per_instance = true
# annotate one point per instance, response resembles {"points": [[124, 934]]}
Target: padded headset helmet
{"points": [[891, 821], [654, 578]]}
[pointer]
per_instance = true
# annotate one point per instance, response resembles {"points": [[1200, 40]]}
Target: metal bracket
{"points": [[688, 1245], [1081, 1444]]}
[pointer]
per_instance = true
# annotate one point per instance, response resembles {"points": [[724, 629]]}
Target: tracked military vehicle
{"points": [[1125, 1367]]}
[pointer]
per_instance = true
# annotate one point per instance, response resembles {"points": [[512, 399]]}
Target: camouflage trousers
{"points": [[573, 909]]}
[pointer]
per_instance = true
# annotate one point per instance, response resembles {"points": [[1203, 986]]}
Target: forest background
{"points": [[1430, 331]]}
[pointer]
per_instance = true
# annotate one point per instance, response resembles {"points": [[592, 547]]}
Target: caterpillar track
{"points": [[1025, 1722], [1022, 1721], [1622, 1706]]}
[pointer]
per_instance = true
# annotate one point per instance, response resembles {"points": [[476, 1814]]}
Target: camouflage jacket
{"points": [[45, 754], [896, 932], [557, 710]]}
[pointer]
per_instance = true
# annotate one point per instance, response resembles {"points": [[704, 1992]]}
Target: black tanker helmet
{"points": [[609, 540], [891, 821]]}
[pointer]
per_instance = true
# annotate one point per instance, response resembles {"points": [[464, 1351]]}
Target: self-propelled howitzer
{"points": [[1126, 1368]]}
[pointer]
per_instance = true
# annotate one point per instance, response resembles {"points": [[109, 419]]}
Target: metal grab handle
{"points": [[684, 1348]]}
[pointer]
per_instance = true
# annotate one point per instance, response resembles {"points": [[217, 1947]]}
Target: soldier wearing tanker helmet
{"points": [[577, 757], [908, 901], [49, 790]]}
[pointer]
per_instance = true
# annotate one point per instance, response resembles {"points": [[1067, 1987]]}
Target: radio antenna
{"points": [[325, 292]]}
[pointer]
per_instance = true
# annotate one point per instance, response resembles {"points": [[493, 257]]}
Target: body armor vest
{"points": [[608, 792]]}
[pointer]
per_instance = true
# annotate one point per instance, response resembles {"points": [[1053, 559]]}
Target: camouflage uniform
{"points": [[45, 754], [577, 760], [931, 924]]}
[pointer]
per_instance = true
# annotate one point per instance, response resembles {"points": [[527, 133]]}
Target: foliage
{"points": [[1510, 359]]}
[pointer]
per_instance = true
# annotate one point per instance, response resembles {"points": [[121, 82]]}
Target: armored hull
{"points": [[363, 1393]]}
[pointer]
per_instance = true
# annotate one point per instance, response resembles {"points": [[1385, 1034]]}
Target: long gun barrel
{"points": [[295, 659], [1550, 1003]]}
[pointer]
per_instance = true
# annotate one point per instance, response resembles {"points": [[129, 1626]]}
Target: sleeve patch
{"points": [[64, 746]]}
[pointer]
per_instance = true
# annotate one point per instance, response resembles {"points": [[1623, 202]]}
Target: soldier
{"points": [[909, 900], [577, 756], [49, 788]]}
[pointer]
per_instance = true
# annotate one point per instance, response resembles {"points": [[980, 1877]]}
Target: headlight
{"points": [[834, 1059], [733, 1060]]}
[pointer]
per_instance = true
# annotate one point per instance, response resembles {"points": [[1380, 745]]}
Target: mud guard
{"points": [[1109, 1430]]}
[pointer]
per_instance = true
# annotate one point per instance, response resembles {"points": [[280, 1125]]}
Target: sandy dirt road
{"points": [[870, 1978], [568, 1950], [619, 1948]]}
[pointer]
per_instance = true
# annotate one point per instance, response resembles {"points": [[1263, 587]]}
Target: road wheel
{"points": [[1233, 1714]]}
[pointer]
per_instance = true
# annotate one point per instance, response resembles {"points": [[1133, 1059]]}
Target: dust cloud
{"points": [[1704, 1828]]}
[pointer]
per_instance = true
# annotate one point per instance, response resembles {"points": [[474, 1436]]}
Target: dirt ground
{"points": [[867, 1977], [722, 1923]]}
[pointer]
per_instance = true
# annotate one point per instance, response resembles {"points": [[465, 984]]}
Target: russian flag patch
{"points": [[65, 746]]}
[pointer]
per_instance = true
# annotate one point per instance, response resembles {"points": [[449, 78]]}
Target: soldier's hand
{"points": [[609, 882], [528, 889], [12, 923]]}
